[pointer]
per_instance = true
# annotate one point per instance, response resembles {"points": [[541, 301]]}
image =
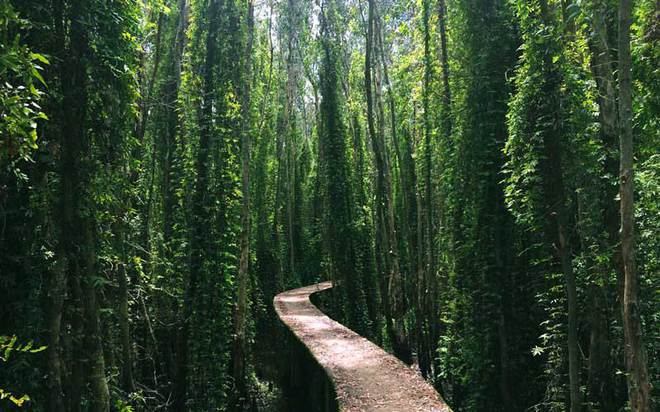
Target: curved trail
{"points": [[365, 377]]}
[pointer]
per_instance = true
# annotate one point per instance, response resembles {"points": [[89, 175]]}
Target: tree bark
{"points": [[444, 61], [199, 224], [426, 212], [554, 189], [56, 294], [600, 383], [639, 387], [128, 382], [77, 226], [100, 394], [384, 207], [240, 342]]}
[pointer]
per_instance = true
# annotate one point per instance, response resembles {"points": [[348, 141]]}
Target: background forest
{"points": [[168, 166]]}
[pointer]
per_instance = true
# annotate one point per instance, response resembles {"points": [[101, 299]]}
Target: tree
{"points": [[548, 208], [240, 322], [387, 243], [464, 172], [635, 356], [339, 225]]}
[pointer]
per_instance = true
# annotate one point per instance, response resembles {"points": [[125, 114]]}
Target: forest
{"points": [[480, 180]]}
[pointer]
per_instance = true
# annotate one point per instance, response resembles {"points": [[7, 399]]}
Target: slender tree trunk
{"points": [[427, 209], [56, 293], [404, 181], [199, 223], [381, 246], [294, 247], [600, 377], [639, 387], [57, 277], [171, 97], [168, 144], [408, 200], [600, 382], [384, 206], [99, 392], [505, 379], [240, 314], [429, 234], [444, 61], [75, 379], [128, 382], [566, 260], [446, 130], [558, 213], [78, 227]]}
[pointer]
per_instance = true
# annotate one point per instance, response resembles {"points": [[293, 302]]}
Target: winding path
{"points": [[365, 377]]}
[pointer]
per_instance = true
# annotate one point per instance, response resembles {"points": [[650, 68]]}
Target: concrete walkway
{"points": [[366, 378]]}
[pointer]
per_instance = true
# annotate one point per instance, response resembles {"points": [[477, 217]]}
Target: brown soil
{"points": [[366, 378]]}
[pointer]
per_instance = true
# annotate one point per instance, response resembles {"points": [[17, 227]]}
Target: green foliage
{"points": [[9, 344], [16, 401], [21, 90], [155, 181], [648, 184]]}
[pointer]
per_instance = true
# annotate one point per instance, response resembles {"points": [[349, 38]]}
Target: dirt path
{"points": [[366, 378]]}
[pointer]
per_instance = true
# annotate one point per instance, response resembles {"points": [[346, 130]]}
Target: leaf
{"points": [[40, 57], [33, 139], [39, 349], [8, 348], [37, 75], [537, 351], [19, 401]]}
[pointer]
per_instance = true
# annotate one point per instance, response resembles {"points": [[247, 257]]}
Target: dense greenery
{"points": [[479, 178]]}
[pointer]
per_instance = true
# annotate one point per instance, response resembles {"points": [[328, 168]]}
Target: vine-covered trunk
{"points": [[639, 388], [77, 224], [600, 382], [199, 231], [557, 213], [240, 314], [385, 208]]}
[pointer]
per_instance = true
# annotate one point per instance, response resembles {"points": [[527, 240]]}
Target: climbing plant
{"points": [[478, 179]]}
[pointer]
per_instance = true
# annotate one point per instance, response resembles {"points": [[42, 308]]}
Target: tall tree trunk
{"points": [[55, 299], [99, 391], [240, 314], [384, 206], [168, 144], [77, 226], [566, 260], [200, 214], [558, 214], [444, 61], [600, 383], [291, 183], [428, 155], [446, 130], [639, 387], [56, 277], [128, 382], [171, 96], [408, 213], [426, 214]]}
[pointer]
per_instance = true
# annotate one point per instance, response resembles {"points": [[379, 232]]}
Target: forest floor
{"points": [[366, 378]]}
